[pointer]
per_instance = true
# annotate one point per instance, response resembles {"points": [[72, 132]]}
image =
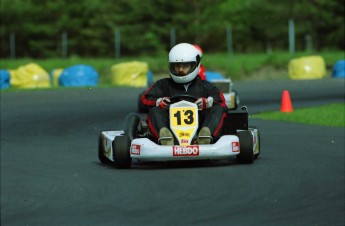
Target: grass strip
{"points": [[325, 115]]}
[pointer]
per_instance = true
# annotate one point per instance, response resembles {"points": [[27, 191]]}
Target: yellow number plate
{"points": [[181, 117]]}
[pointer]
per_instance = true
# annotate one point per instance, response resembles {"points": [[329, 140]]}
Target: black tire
{"points": [[101, 151], [246, 155], [121, 152]]}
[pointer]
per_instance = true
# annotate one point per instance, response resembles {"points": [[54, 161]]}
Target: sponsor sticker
{"points": [[235, 147], [184, 141], [184, 134], [135, 149], [186, 150]]}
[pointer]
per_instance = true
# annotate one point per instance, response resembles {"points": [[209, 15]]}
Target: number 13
{"points": [[188, 117]]}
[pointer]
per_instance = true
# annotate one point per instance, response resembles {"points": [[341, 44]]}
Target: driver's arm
{"points": [[152, 94], [216, 94]]}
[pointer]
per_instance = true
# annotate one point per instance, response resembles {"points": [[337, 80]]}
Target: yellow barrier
{"points": [[55, 74], [130, 74], [312, 67], [30, 76]]}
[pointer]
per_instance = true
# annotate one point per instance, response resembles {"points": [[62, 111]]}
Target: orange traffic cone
{"points": [[286, 105]]}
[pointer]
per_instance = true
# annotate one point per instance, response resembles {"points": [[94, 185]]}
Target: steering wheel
{"points": [[185, 97]]}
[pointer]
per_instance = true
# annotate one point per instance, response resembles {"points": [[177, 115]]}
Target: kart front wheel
{"points": [[121, 152], [246, 155]]}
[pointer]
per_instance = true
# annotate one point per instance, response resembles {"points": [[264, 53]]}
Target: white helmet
{"points": [[184, 53]]}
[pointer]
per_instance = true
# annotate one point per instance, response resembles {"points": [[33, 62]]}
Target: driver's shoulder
{"points": [[204, 83], [164, 81]]}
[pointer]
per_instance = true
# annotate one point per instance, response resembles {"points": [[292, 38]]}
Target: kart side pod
{"points": [[235, 120]]}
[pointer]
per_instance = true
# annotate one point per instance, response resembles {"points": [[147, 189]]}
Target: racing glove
{"points": [[163, 102], [204, 103]]}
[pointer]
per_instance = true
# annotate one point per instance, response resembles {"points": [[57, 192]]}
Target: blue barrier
{"points": [[5, 78], [339, 69], [79, 75], [211, 75]]}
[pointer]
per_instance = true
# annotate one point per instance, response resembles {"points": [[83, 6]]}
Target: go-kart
{"points": [[118, 148], [232, 99]]}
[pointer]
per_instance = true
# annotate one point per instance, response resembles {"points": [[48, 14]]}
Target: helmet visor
{"points": [[182, 68]]}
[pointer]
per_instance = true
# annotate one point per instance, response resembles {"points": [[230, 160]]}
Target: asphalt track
{"points": [[50, 173]]}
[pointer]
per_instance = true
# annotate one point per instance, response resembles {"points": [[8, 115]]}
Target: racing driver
{"points": [[202, 69], [184, 65]]}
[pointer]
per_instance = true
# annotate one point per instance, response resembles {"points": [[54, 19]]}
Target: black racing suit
{"points": [[158, 117]]}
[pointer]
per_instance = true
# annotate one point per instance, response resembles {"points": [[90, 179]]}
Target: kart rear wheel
{"points": [[101, 151], [121, 152], [246, 155]]}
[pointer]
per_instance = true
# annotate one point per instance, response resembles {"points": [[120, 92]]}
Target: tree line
{"points": [[39, 28]]}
